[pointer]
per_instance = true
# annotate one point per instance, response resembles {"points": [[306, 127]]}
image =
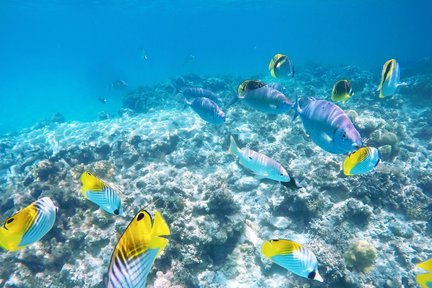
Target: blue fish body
{"points": [[195, 92], [268, 100], [329, 127], [208, 110]]}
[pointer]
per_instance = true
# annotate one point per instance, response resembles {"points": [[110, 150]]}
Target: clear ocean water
{"points": [[113, 159], [60, 56]]}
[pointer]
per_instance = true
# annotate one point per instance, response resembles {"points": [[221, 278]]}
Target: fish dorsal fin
{"points": [[160, 227], [426, 265], [271, 65]]}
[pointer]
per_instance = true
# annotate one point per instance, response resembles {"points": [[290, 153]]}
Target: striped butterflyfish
{"points": [[136, 251], [28, 225], [281, 66], [361, 161], [100, 193], [390, 79], [425, 280], [249, 85], [293, 257], [342, 91]]}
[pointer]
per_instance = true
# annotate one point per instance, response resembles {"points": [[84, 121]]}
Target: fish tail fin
{"points": [[318, 277], [292, 184], [296, 107], [233, 100], [233, 148], [160, 227]]}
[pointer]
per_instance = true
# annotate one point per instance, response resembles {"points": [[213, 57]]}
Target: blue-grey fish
{"points": [[328, 126], [261, 165], [119, 85], [390, 79], [207, 109], [266, 99], [194, 92]]}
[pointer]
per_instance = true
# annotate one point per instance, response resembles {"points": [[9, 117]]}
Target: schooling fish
{"points": [[249, 85], [425, 280], [28, 225], [266, 99], [281, 66], [101, 194], [342, 91], [328, 126], [262, 165], [136, 251], [195, 92], [293, 257], [207, 109], [361, 161], [390, 78]]}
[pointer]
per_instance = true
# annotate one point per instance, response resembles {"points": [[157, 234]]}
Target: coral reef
{"points": [[164, 157]]}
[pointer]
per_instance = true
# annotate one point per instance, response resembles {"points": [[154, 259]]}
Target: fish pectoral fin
{"points": [[273, 106], [326, 137]]}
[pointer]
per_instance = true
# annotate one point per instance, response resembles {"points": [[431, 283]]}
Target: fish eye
{"points": [[116, 212], [88, 173], [344, 135], [250, 158], [10, 220], [140, 216], [281, 174]]}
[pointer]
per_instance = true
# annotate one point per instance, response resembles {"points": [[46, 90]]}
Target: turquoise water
{"points": [[159, 149], [59, 56]]}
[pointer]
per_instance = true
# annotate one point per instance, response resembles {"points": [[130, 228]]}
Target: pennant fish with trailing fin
{"points": [[293, 257], [262, 165], [342, 91], [425, 280], [100, 193], [361, 161], [390, 79], [281, 66], [28, 225], [137, 250]]}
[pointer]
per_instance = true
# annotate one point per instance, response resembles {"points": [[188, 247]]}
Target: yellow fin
{"points": [[424, 279], [426, 265], [158, 243], [160, 227], [271, 65]]}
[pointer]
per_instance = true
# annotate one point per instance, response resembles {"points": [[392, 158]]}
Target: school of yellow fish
{"points": [[143, 239]]}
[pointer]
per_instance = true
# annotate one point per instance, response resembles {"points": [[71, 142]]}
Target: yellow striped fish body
{"points": [[361, 161], [425, 280], [249, 85], [136, 251], [98, 192], [28, 225], [293, 257], [390, 78], [342, 91], [281, 66]]}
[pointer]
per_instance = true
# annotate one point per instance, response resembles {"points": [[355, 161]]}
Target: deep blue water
{"points": [[60, 56]]}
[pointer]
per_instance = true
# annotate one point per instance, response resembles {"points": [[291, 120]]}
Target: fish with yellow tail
{"points": [[361, 161], [293, 257], [101, 194], [262, 165], [281, 66], [425, 280], [136, 251], [390, 79], [28, 225], [342, 91]]}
